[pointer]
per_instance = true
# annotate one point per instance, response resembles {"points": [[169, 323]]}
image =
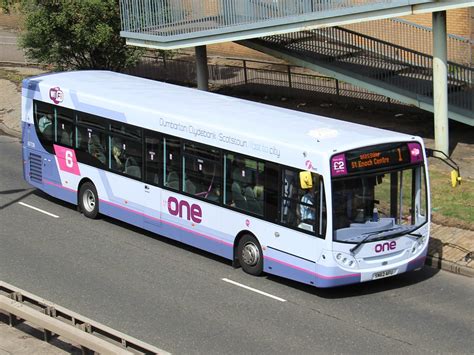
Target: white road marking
{"points": [[254, 290], [37, 209]]}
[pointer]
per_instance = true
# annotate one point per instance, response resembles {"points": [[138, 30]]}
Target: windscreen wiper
{"points": [[416, 235], [370, 234]]}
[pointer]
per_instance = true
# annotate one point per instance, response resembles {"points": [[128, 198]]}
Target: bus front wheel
{"points": [[89, 200], [250, 255]]}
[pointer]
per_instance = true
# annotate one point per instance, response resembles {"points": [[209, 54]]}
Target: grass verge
{"points": [[451, 206]]}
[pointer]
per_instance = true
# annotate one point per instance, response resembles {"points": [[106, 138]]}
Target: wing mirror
{"points": [[455, 173], [455, 178]]}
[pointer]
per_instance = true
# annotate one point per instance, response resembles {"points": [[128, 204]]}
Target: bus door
{"points": [[153, 176], [303, 209]]}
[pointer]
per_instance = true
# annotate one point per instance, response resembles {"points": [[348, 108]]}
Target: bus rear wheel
{"points": [[89, 200], [250, 255]]}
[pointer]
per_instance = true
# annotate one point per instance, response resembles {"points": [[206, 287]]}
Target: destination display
{"points": [[375, 157]]}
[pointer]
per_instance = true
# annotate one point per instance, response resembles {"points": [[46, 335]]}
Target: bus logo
{"points": [[379, 248], [179, 208], [56, 95], [416, 155]]}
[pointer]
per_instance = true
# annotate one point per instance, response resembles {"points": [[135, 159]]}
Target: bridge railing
{"points": [[177, 17]]}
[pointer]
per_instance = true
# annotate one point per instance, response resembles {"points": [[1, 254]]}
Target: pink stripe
{"points": [[60, 186], [310, 272], [168, 223]]}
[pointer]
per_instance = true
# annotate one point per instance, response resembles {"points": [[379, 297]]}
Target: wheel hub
{"points": [[250, 254], [89, 201]]}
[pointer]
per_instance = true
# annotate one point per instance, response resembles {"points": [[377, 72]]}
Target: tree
{"points": [[5, 5], [76, 34]]}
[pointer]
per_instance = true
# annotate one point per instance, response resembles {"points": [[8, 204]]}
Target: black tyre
{"points": [[250, 255], [89, 200]]}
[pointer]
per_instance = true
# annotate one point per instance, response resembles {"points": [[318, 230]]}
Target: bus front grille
{"points": [[36, 170]]}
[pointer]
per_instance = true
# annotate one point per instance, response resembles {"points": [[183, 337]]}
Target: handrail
{"points": [[413, 36], [430, 29], [401, 48], [380, 60], [185, 17]]}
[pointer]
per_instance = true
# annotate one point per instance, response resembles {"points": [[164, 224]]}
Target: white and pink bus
{"points": [[305, 197]]}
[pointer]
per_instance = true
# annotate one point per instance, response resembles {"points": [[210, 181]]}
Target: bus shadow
{"points": [[18, 199], [365, 288]]}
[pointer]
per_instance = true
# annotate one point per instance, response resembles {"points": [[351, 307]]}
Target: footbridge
{"points": [[397, 72], [309, 33]]}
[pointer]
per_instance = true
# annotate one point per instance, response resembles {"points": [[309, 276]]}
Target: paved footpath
{"points": [[452, 249]]}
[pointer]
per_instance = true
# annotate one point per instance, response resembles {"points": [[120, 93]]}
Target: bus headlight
{"points": [[345, 260], [419, 244]]}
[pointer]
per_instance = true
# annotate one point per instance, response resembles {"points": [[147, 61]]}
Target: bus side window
{"points": [[45, 123], [270, 192], [202, 171], [301, 208], [289, 198], [65, 126], [91, 140], [172, 163], [125, 155], [153, 159], [245, 181]]}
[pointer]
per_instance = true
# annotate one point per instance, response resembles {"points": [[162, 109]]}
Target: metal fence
{"points": [[255, 77], [177, 17]]}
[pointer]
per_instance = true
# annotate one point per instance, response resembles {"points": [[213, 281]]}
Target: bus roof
{"points": [[144, 102]]}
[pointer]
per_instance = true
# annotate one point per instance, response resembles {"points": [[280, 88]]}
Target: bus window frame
{"points": [[46, 144], [115, 134], [103, 125]]}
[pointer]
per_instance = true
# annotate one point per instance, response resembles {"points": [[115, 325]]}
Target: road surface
{"points": [[176, 298]]}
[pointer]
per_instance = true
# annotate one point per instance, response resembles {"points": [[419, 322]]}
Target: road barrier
{"points": [[20, 305]]}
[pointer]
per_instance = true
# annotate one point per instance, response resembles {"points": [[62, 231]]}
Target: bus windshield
{"points": [[394, 201]]}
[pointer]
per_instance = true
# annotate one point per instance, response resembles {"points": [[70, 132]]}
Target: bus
{"points": [[304, 197]]}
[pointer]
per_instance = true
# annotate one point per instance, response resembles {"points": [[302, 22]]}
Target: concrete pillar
{"points": [[440, 82], [201, 66]]}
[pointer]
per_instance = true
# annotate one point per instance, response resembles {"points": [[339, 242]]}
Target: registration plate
{"points": [[382, 274]]}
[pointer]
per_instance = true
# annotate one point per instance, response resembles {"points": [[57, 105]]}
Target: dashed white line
{"points": [[38, 209], [254, 290]]}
